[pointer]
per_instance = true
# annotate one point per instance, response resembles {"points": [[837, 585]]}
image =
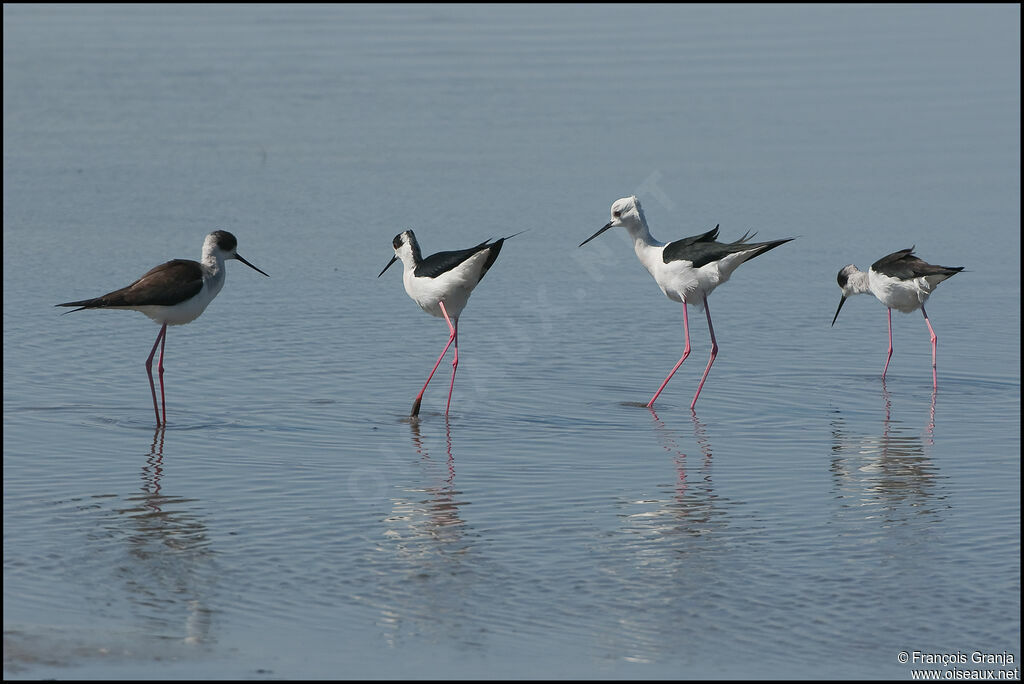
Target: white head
{"points": [[626, 213], [222, 245]]}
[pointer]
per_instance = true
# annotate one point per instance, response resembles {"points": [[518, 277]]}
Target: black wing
{"points": [[697, 249], [701, 250], [165, 285], [682, 250], [904, 265], [442, 262]]}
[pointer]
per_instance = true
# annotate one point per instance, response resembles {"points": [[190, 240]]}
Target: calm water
{"points": [[291, 522]]}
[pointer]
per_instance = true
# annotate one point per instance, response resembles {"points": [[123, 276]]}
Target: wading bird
{"points": [[173, 293], [900, 281], [441, 285], [686, 270]]}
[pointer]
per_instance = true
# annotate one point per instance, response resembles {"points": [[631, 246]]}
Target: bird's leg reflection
{"points": [[888, 409], [417, 439], [669, 444], [445, 507], [443, 510], [448, 444], [153, 470], [887, 476], [701, 435], [929, 433], [168, 545], [692, 510]]}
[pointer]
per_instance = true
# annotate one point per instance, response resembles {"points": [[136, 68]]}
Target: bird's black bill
{"points": [[606, 227], [393, 260], [841, 302], [250, 265]]}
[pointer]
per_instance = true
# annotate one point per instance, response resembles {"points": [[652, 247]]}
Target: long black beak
{"points": [[250, 265], [393, 260], [841, 302], [606, 227]]}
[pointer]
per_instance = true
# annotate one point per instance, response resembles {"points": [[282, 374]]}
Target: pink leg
{"points": [[160, 371], [149, 370], [714, 353], [451, 338], [686, 352], [455, 365], [935, 340], [889, 357]]}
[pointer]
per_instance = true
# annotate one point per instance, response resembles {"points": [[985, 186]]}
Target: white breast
{"points": [[902, 295]]}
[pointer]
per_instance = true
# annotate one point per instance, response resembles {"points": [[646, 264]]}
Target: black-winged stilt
{"points": [[686, 270], [441, 285], [173, 293], [900, 281]]}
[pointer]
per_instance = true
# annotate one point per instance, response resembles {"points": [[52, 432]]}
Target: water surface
{"points": [[806, 521]]}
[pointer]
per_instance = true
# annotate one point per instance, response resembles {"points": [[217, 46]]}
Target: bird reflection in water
{"points": [[890, 475], [442, 508], [154, 470], [667, 550], [427, 569], [425, 526], [170, 565], [693, 506]]}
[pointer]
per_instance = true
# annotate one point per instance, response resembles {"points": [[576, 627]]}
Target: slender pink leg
{"points": [[935, 340], [686, 352], [451, 338], [160, 371], [149, 371], [889, 357], [714, 353], [455, 366]]}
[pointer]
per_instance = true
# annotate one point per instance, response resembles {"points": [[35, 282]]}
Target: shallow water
{"points": [[807, 520]]}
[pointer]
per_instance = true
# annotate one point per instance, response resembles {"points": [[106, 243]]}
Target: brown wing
{"points": [[166, 285]]}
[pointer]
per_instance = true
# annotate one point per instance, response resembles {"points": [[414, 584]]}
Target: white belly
{"points": [[902, 295], [187, 311], [453, 288]]}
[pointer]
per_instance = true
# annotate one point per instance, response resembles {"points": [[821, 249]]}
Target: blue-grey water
{"points": [[291, 522]]}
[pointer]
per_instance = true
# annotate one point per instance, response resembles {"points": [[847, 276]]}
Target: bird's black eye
{"points": [[397, 242], [616, 214]]}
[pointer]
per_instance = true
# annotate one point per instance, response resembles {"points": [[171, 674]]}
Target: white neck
{"points": [[213, 268], [647, 248]]}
